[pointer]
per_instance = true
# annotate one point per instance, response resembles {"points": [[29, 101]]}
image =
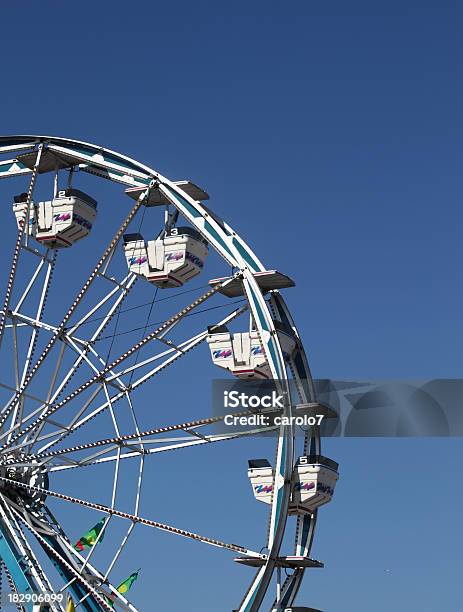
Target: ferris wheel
{"points": [[75, 406]]}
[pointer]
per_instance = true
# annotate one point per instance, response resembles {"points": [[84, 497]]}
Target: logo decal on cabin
{"points": [[263, 488], [222, 353], [307, 486], [174, 256], [137, 260], [62, 217]]}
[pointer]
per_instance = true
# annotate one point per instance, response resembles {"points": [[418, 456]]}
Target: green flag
{"points": [[89, 538], [125, 586]]}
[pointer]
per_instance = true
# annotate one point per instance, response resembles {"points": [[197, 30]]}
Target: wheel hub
{"points": [[28, 474]]}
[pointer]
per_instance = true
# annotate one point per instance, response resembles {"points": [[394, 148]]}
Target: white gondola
{"points": [[260, 474], [242, 353], [168, 261], [60, 222], [312, 485]]}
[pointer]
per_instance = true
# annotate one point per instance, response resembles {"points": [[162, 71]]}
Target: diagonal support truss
{"points": [[137, 519]]}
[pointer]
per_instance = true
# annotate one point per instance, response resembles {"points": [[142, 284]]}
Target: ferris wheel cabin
{"points": [[168, 261], [60, 222], [314, 480], [261, 475], [242, 353]]}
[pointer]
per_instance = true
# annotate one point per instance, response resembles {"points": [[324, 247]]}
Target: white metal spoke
{"points": [[123, 287], [168, 444], [137, 494], [30, 284], [187, 427], [23, 230], [70, 464], [18, 410], [138, 519]]}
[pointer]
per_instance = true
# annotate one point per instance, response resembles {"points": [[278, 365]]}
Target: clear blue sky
{"points": [[330, 136]]}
